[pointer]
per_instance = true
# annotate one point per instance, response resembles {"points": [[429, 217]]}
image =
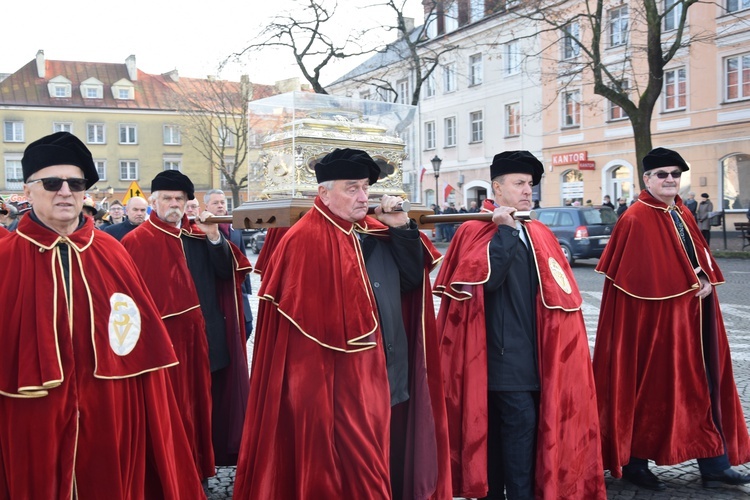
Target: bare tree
{"points": [[632, 80], [308, 33], [215, 121]]}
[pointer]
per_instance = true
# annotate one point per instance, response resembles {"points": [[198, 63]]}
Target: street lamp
{"points": [[436, 162]]}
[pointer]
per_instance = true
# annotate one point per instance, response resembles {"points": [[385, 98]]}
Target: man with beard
{"points": [[86, 407], [195, 276], [135, 212]]}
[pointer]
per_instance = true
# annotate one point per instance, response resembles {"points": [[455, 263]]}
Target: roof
{"points": [[152, 92], [392, 53]]}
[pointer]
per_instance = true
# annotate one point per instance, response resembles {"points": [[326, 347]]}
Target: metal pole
{"points": [[437, 197]]}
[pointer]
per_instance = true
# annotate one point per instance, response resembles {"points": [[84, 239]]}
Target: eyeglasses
{"points": [[75, 184], [663, 175]]}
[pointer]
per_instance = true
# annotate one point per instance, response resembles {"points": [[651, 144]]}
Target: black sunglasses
{"points": [[661, 175], [75, 184]]}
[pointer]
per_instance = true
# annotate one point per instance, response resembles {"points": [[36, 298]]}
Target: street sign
{"points": [[133, 190]]}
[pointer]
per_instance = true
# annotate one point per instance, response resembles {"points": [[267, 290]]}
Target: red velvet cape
{"points": [[3, 232], [568, 461], [307, 435], [154, 246], [648, 360], [75, 406]]}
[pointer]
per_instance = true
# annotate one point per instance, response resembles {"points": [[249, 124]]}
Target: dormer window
{"points": [[123, 90], [59, 87], [91, 88]]}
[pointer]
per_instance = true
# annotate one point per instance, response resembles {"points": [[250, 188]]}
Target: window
{"points": [[127, 134], [429, 86], [449, 78], [91, 88], [672, 14], [737, 77], [403, 92], [735, 170], [450, 132], [735, 5], [59, 87], [513, 119], [171, 163], [128, 170], [172, 135], [13, 173], [618, 26], [615, 111], [226, 137], [571, 35], [475, 69], [429, 135], [13, 131], [95, 133], [101, 169], [675, 89], [123, 89], [477, 126], [62, 127], [450, 17], [432, 25], [476, 10], [512, 58], [572, 108], [365, 95]]}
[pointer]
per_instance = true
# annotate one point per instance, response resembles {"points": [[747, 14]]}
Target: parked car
{"points": [[583, 232], [247, 234], [256, 241]]}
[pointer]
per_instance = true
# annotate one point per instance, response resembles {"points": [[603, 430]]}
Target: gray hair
{"points": [[328, 185], [210, 192]]}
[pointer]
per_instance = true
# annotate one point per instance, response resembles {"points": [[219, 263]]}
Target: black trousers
{"points": [[511, 447]]}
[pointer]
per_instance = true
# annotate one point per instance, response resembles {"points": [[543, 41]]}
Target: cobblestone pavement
{"points": [[684, 479]]}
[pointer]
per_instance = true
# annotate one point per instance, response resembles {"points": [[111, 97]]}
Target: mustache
{"points": [[174, 211]]}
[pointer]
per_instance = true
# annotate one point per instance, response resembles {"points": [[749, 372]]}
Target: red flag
{"points": [[421, 174], [447, 191]]}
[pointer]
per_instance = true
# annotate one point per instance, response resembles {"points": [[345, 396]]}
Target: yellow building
{"points": [[135, 124]]}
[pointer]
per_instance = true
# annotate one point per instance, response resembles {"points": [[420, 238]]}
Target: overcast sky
{"points": [[162, 34]]}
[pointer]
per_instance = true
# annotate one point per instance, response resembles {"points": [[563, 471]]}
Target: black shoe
{"points": [[644, 478], [729, 476]]}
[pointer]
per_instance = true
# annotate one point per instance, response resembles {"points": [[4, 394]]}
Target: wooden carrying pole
{"points": [[286, 212]]}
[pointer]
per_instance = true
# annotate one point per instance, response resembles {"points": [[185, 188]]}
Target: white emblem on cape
{"points": [[559, 275], [124, 325]]}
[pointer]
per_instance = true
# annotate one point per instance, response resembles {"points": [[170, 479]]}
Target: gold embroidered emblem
{"points": [[559, 275], [124, 325]]}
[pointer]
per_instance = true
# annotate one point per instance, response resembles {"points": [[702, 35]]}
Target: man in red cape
{"points": [[518, 383], [86, 409], [319, 421], [661, 361], [194, 277]]}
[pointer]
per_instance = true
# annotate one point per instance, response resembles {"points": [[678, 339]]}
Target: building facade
{"points": [[703, 110], [135, 124], [507, 86]]}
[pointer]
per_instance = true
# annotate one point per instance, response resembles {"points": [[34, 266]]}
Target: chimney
{"points": [[409, 23], [40, 66], [173, 75], [132, 70]]}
